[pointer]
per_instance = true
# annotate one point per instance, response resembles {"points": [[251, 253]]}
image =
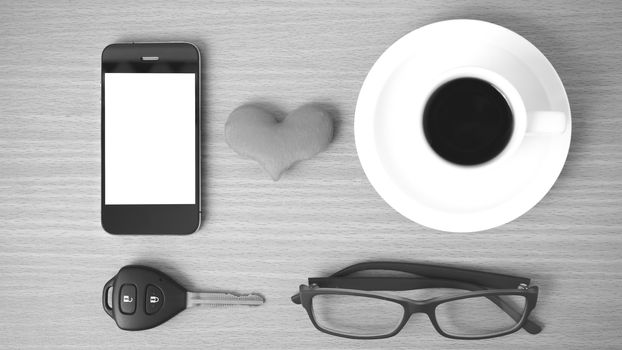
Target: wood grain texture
{"points": [[322, 215]]}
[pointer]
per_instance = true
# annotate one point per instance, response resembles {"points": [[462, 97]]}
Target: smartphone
{"points": [[151, 142]]}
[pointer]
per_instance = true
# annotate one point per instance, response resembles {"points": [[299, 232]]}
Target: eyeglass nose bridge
{"points": [[418, 307]]}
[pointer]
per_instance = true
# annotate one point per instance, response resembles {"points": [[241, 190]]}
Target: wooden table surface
{"points": [[323, 215]]}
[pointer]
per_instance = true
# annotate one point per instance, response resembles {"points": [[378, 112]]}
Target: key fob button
{"points": [[154, 299], [128, 299]]}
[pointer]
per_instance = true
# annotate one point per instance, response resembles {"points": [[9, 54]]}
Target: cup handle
{"points": [[550, 122]]}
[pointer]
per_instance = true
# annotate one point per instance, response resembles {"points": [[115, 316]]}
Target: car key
{"points": [[140, 297]]}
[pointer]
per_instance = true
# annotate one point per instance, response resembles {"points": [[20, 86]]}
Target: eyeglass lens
{"points": [[356, 315], [480, 316]]}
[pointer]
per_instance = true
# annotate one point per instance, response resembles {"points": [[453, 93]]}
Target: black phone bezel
{"points": [[178, 219]]}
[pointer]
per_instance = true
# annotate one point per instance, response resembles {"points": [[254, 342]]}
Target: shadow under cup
{"points": [[467, 121]]}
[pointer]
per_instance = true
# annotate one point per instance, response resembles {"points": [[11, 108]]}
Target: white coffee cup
{"points": [[525, 122], [395, 151]]}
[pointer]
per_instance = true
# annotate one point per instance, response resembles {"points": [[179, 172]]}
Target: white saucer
{"points": [[422, 187]]}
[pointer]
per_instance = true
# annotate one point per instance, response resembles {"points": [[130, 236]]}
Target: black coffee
{"points": [[467, 121]]}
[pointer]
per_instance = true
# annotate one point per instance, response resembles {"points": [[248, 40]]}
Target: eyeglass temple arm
{"points": [[488, 279], [405, 283]]}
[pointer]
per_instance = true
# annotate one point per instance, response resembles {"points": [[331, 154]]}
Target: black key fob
{"points": [[139, 297]]}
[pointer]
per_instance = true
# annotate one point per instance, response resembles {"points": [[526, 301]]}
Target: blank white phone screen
{"points": [[149, 138]]}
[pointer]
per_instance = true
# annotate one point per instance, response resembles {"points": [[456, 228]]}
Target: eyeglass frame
{"points": [[479, 284]]}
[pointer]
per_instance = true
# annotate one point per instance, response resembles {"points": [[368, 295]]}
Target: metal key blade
{"points": [[222, 299]]}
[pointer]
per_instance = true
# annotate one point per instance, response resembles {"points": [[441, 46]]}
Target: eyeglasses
{"points": [[488, 305]]}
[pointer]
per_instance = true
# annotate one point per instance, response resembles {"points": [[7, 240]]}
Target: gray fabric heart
{"points": [[255, 132]]}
